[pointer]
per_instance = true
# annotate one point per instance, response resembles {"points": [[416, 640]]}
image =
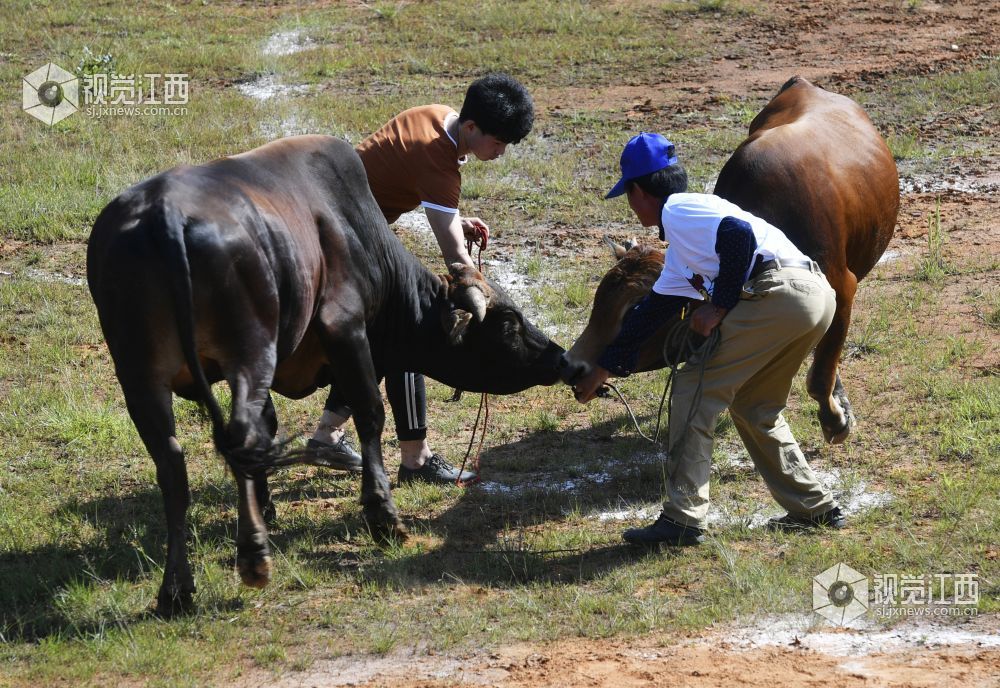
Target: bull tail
{"points": [[174, 249]]}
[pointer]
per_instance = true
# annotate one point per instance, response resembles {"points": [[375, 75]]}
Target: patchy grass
{"points": [[526, 557]]}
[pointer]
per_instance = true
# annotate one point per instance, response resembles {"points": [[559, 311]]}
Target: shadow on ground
{"points": [[476, 545]]}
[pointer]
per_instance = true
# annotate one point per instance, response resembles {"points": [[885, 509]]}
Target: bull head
{"points": [[470, 296]]}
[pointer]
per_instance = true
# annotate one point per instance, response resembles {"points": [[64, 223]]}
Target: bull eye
{"points": [[511, 322]]}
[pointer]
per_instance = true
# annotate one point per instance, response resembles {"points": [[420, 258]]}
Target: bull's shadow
{"points": [[506, 531], [124, 530], [126, 541], [495, 534]]}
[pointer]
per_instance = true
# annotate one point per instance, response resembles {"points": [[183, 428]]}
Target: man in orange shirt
{"points": [[413, 161]]}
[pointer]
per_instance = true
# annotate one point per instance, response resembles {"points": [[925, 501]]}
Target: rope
{"points": [[478, 243], [484, 403], [484, 400], [678, 340]]}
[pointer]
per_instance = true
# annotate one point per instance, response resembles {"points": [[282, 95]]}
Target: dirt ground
{"points": [[769, 653], [843, 45]]}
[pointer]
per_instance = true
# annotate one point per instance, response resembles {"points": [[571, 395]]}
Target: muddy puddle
{"points": [[854, 494], [287, 43], [986, 183], [268, 86]]}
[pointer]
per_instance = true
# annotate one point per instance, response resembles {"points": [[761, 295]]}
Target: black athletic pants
{"points": [[407, 398]]}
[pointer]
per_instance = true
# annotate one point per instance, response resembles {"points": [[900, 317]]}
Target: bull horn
{"points": [[470, 291], [617, 249], [474, 300]]}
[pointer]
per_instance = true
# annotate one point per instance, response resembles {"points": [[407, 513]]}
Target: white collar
{"points": [[448, 118]]}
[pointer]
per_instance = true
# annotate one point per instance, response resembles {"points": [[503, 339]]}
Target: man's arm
{"points": [[447, 228], [639, 324], [735, 245]]}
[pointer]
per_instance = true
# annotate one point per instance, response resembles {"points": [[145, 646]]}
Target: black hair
{"points": [[661, 183], [500, 106]]}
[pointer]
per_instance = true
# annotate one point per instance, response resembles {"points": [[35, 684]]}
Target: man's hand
{"points": [[586, 389], [476, 231], [705, 318]]}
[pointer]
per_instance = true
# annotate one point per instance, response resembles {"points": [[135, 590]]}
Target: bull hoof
{"points": [[269, 514], [255, 571], [171, 603], [385, 527], [839, 436], [843, 420], [832, 437]]}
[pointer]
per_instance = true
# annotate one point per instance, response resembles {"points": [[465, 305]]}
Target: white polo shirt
{"points": [[690, 224]]}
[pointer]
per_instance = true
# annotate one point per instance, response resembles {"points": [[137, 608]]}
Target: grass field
{"points": [[535, 553]]}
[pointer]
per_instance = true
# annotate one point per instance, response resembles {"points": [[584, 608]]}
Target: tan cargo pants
{"points": [[764, 340]]}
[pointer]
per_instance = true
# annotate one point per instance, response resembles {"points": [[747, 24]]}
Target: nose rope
{"points": [[484, 400], [484, 403], [679, 335]]}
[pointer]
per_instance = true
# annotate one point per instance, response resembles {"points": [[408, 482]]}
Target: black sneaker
{"points": [[664, 531], [436, 470], [834, 518], [340, 455]]}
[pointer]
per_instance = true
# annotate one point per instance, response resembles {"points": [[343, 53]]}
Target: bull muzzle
{"points": [[570, 370]]}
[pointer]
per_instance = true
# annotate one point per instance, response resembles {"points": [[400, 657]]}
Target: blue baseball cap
{"points": [[643, 154]]}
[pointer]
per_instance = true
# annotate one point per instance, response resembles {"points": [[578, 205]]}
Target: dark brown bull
{"points": [[815, 167], [275, 269]]}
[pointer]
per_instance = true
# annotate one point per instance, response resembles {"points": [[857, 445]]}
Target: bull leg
{"points": [[355, 377], [823, 381], [269, 419], [247, 431], [150, 407]]}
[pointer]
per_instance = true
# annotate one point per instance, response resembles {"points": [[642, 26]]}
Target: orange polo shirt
{"points": [[412, 161]]}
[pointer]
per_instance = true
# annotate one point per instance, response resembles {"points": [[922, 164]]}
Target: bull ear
{"points": [[456, 322], [469, 290]]}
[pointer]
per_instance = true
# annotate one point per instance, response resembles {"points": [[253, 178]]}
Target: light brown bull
{"points": [[814, 166]]}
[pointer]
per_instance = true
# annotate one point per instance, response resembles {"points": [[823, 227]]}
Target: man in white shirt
{"points": [[715, 247]]}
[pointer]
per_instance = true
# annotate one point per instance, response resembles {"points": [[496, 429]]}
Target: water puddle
{"points": [[546, 485], [860, 640], [267, 86], [950, 183], [517, 285], [50, 277], [288, 126], [414, 220], [287, 43], [853, 494], [889, 257]]}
